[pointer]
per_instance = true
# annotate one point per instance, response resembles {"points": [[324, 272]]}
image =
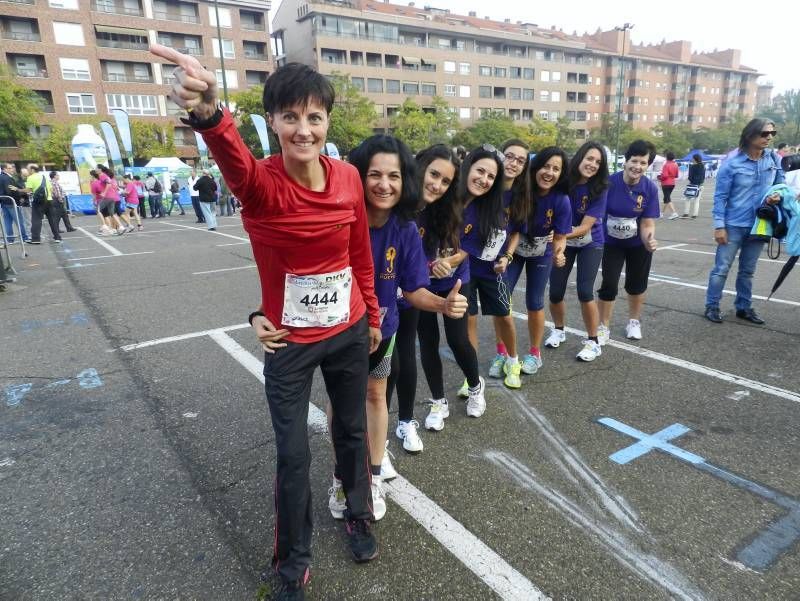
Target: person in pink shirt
{"points": [[667, 177], [132, 201], [106, 196]]}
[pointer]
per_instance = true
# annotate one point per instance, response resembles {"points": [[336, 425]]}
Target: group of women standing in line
{"points": [[450, 236]]}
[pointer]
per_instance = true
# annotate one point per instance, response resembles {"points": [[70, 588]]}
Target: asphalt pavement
{"points": [[137, 458]]}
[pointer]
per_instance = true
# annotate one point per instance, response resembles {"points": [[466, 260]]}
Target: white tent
{"points": [[171, 163]]}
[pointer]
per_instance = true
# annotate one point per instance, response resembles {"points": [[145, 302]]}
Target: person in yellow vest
{"points": [[41, 190]]}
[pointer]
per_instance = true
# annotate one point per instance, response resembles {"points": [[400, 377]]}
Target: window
{"points": [[224, 16], [75, 68], [515, 93], [227, 48], [527, 114], [133, 103], [429, 89], [393, 86], [544, 75], [555, 76], [375, 85], [485, 71], [500, 72], [555, 96], [69, 34], [544, 95], [392, 110], [66, 4], [449, 89], [231, 77], [463, 91], [527, 94], [543, 115], [484, 91], [515, 72], [463, 68], [464, 113], [528, 73], [358, 82], [379, 110], [410, 88], [81, 103], [449, 67]]}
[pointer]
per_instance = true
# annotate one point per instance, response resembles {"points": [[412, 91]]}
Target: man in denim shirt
{"points": [[741, 183]]}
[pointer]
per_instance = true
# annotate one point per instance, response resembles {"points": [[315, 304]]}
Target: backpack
{"points": [[175, 188], [40, 194], [156, 186]]}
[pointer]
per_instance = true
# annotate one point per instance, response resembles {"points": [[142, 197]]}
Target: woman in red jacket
{"points": [[669, 173]]}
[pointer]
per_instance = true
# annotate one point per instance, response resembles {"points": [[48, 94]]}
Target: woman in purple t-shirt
{"points": [[588, 182]]}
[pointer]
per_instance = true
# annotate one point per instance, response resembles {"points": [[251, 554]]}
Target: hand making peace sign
{"points": [[196, 88]]}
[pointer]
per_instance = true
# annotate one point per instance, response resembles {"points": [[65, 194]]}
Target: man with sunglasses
{"points": [[742, 182]]}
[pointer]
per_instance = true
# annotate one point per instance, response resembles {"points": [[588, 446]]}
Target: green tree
{"points": [[720, 139], [249, 102], [791, 111], [676, 137], [419, 128], [540, 133], [55, 149], [565, 135], [606, 132], [22, 109], [353, 116], [492, 128], [151, 140]]}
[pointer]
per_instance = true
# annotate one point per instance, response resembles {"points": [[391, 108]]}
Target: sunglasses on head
{"points": [[766, 134], [489, 148]]}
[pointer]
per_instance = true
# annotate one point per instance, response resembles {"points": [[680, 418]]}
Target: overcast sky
{"points": [[766, 38]]}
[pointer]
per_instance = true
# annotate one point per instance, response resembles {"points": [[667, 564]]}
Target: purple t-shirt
{"points": [[553, 214], [399, 264], [582, 206], [442, 284], [471, 240], [625, 207]]}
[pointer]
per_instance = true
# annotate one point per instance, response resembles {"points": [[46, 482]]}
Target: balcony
{"points": [[169, 16], [122, 44], [116, 9], [22, 36], [190, 50], [127, 78], [19, 1], [30, 72]]}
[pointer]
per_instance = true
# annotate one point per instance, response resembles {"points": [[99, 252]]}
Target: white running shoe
{"points": [[407, 432], [603, 334], [439, 411], [337, 502], [673, 216], [633, 330], [387, 469], [555, 338], [130, 229], [590, 351], [463, 392], [121, 230], [476, 403], [378, 499], [105, 231]]}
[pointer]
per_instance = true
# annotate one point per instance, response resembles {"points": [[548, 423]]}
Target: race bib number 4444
{"points": [[321, 300]]}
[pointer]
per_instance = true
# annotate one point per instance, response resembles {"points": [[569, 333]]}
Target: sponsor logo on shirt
{"points": [[639, 202], [584, 204], [468, 229], [391, 255], [548, 219]]}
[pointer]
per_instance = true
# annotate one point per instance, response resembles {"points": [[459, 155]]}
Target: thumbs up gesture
{"points": [[455, 305], [196, 88]]}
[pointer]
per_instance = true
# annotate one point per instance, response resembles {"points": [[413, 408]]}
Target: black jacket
{"points": [[5, 181], [697, 174], [207, 188]]}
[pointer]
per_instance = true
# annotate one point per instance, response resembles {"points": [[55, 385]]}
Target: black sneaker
{"points": [[34, 241], [713, 314], [750, 315], [363, 545], [291, 591]]}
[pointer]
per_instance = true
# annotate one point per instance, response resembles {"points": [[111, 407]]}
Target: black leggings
{"points": [[667, 190], [455, 331], [404, 365], [636, 259]]}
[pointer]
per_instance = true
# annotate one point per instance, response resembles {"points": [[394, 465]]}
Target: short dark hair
{"points": [[53, 174], [753, 128], [297, 83], [137, 178], [490, 210], [441, 220], [640, 148], [149, 174], [362, 155], [697, 158], [782, 145], [670, 155], [599, 181], [94, 174]]}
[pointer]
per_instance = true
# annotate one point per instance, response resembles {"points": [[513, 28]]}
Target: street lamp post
{"points": [[624, 29], [221, 56]]}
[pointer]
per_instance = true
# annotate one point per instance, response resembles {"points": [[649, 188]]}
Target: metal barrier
{"points": [[8, 201]]}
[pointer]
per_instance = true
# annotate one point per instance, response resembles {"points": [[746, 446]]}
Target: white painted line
{"points": [[204, 229], [670, 247], [148, 252], [695, 367], [705, 252], [676, 282], [225, 269], [179, 337], [102, 243], [79, 265], [234, 243], [492, 569]]}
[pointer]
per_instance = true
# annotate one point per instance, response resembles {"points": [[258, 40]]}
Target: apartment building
{"points": [[86, 57], [393, 52]]}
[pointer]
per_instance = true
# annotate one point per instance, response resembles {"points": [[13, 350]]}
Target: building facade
{"points": [[393, 52], [86, 57]]}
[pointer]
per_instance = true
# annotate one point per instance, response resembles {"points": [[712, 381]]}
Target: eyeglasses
{"points": [[489, 148], [512, 158], [766, 134]]}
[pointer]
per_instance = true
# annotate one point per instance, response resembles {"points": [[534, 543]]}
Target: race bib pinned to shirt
{"points": [[532, 247], [584, 240], [493, 245], [313, 301], [622, 228]]}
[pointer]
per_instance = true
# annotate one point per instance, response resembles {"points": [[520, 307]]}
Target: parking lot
{"points": [[137, 457]]}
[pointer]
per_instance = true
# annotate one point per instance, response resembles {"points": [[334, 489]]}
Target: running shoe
{"points": [[131, 228], [673, 216], [337, 502], [633, 330], [463, 392], [291, 591], [439, 411], [476, 404], [531, 364], [496, 368], [512, 372], [140, 227], [387, 469], [407, 432], [555, 338], [362, 542], [590, 351], [121, 230], [603, 334], [378, 499]]}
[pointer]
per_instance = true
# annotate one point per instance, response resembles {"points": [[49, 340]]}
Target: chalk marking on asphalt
{"points": [[180, 337], [147, 252], [79, 265], [224, 269], [695, 367], [706, 252], [467, 548], [234, 243], [671, 246], [620, 547], [204, 229], [103, 243], [679, 282], [7, 462], [738, 395]]}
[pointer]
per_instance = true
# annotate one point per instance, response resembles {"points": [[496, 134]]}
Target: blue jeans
{"points": [[749, 251], [210, 213], [10, 217]]}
